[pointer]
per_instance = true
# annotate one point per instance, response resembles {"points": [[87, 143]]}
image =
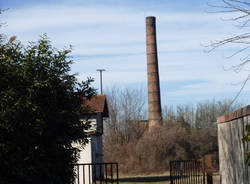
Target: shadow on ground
{"points": [[146, 179]]}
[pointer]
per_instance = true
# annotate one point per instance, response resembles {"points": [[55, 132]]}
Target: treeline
{"points": [[188, 132]]}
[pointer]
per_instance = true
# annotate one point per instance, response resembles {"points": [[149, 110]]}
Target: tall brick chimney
{"points": [[154, 97]]}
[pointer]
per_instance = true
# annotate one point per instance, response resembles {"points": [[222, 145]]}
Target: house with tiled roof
{"points": [[97, 112]]}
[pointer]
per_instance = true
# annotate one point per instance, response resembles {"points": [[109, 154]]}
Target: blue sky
{"points": [[110, 34]]}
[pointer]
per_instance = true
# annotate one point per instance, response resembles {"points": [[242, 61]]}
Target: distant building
{"points": [[93, 151]]}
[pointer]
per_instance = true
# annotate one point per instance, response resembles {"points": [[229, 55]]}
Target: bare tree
{"points": [[123, 130], [127, 107], [240, 12], [185, 131]]}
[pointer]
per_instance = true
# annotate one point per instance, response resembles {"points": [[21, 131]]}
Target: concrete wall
{"points": [[231, 128]]}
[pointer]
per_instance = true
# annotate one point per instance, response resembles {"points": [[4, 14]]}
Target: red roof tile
{"points": [[97, 104]]}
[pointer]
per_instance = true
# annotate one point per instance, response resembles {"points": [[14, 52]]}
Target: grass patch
{"points": [[141, 179]]}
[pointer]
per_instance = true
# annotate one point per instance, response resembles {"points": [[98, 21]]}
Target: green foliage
{"points": [[40, 105], [246, 138]]}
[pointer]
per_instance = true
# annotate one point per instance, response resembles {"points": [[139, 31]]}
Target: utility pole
{"points": [[101, 70]]}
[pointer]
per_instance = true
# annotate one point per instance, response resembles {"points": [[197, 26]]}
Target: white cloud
{"points": [[114, 38]]}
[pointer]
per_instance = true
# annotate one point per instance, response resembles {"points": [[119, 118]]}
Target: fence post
{"points": [[209, 178], [171, 180], [117, 173]]}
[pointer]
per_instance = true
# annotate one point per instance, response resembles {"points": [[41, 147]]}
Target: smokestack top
{"points": [[150, 20], [150, 17]]}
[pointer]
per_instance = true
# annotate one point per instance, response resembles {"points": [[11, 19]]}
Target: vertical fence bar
{"points": [[184, 172], [173, 165], [94, 173], [188, 172], [111, 173], [197, 170], [177, 172], [106, 173], [196, 173], [78, 175], [201, 173], [92, 170], [83, 174], [171, 181], [117, 173], [189, 175], [193, 172], [179, 169], [100, 173], [89, 173], [203, 169]]}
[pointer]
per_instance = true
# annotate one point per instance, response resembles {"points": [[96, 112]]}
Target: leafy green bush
{"points": [[40, 105]]}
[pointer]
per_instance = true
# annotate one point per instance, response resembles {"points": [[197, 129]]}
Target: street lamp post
{"points": [[101, 70]]}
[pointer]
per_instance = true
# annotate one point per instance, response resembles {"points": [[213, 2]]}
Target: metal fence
{"points": [[189, 172], [97, 173]]}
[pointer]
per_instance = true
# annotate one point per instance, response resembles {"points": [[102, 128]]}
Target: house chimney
{"points": [[154, 97]]}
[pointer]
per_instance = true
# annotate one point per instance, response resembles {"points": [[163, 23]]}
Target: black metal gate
{"points": [[188, 172], [97, 173]]}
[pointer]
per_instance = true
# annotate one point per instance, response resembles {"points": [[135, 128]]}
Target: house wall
{"points": [[92, 153], [97, 149], [85, 154], [96, 143], [85, 174], [231, 128]]}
